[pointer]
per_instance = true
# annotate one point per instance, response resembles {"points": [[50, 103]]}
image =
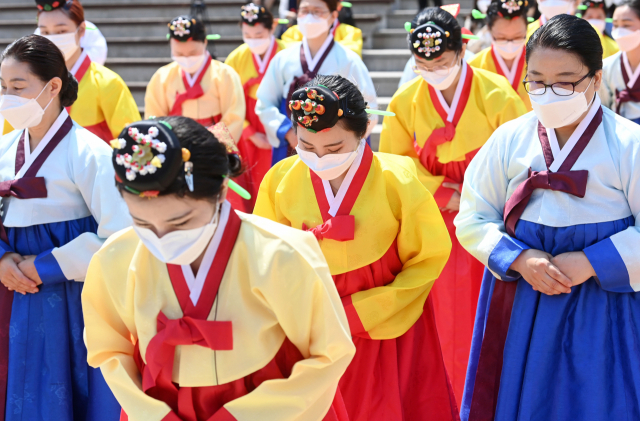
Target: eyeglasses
{"points": [[316, 12], [444, 69], [558, 88]]}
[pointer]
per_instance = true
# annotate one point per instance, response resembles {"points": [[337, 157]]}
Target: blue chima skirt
{"points": [[49, 378], [567, 357]]}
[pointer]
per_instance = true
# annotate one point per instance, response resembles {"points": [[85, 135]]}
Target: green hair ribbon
{"points": [[380, 112], [530, 19], [407, 26], [213, 37], [476, 14], [283, 21], [583, 7]]}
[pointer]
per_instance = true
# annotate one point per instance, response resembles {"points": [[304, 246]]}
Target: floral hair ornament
{"points": [[49, 5], [252, 14], [186, 28], [316, 108], [146, 157], [222, 133]]}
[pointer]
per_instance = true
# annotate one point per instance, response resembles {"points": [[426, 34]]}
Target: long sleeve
{"points": [[232, 103], [108, 308], [479, 223], [607, 90], [615, 259], [117, 104], [93, 174], [155, 101], [270, 95], [397, 138], [308, 309], [423, 245]]}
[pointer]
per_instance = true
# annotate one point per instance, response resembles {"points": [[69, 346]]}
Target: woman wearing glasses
{"points": [[443, 118], [507, 23], [620, 89], [318, 53], [550, 206]]}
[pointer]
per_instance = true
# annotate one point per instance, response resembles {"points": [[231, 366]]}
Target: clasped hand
{"points": [[19, 273], [553, 275]]}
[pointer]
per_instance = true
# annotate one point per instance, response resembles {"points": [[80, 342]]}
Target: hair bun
{"points": [[187, 28]]}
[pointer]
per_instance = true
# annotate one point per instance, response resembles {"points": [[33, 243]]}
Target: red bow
{"points": [[192, 92], [22, 188], [438, 137], [160, 353], [572, 182], [338, 228]]}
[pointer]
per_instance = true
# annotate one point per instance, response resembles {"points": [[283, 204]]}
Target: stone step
{"points": [[386, 84], [390, 39], [157, 26], [386, 60], [397, 18]]}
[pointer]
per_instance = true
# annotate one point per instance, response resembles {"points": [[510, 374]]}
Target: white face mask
{"points": [[22, 113], [599, 24], [552, 8], [441, 80], [555, 111], [65, 42], [483, 5], [508, 50], [627, 39], [180, 247], [312, 27], [330, 166], [190, 64], [258, 46]]}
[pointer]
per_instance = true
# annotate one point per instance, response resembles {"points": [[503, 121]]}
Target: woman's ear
{"points": [[223, 190], [55, 86], [82, 29], [597, 80]]}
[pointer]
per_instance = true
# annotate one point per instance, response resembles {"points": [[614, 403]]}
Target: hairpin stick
{"points": [[346, 4], [283, 21], [578, 15], [609, 20], [476, 14], [380, 112], [583, 7], [213, 37], [167, 125], [530, 19], [238, 189], [465, 36], [407, 26]]}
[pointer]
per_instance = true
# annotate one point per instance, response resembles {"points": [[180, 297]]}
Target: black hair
{"points": [[212, 162], [355, 119], [633, 5], [444, 20], [46, 62], [187, 28], [331, 4], [571, 34], [346, 16], [263, 16], [497, 10]]}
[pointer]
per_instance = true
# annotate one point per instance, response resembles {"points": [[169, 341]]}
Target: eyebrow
{"points": [[180, 217], [334, 144], [305, 142]]}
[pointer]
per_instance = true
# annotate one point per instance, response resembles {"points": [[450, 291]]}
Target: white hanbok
{"points": [[613, 83]]}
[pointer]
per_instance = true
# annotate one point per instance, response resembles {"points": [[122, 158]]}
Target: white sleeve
{"points": [[94, 43], [408, 74], [359, 76], [270, 94]]}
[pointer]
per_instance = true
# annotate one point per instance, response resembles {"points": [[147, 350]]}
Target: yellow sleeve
{"points": [[155, 101], [397, 136], [350, 37], [309, 311], [7, 128], [291, 36], [107, 304], [266, 201], [232, 103], [609, 46], [423, 246], [117, 103]]}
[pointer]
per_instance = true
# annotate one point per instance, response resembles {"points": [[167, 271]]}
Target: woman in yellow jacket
{"points": [[385, 242], [251, 61], [443, 119], [594, 11], [507, 24], [105, 104]]}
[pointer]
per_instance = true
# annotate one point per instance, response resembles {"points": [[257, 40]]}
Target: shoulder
{"points": [[280, 45], [348, 29], [522, 126], [347, 55], [105, 75], [396, 165], [237, 54], [480, 59], [626, 132], [493, 83], [279, 243], [611, 61], [291, 51], [219, 68], [168, 71], [8, 140], [408, 91], [87, 144], [278, 171], [117, 249]]}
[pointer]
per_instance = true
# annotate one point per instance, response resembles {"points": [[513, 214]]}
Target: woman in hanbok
{"points": [[620, 89], [105, 104], [346, 35], [550, 205], [549, 9], [251, 61], [195, 85], [442, 120], [318, 53], [595, 12], [199, 312], [59, 205], [385, 242], [507, 23]]}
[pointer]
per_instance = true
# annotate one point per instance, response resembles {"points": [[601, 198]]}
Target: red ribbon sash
{"points": [[342, 226], [307, 75], [82, 70], [251, 117], [192, 329], [447, 133], [516, 80], [564, 180], [627, 94], [191, 92]]}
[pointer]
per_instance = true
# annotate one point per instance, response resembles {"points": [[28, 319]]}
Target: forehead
{"points": [[54, 18], [11, 69], [555, 62], [624, 13], [445, 58], [314, 4], [336, 134], [510, 25]]}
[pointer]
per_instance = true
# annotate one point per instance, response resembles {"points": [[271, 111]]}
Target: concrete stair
{"points": [[136, 35]]}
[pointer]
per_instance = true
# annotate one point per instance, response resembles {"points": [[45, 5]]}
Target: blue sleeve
{"points": [[503, 255], [611, 271], [283, 130], [4, 248], [49, 269]]}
